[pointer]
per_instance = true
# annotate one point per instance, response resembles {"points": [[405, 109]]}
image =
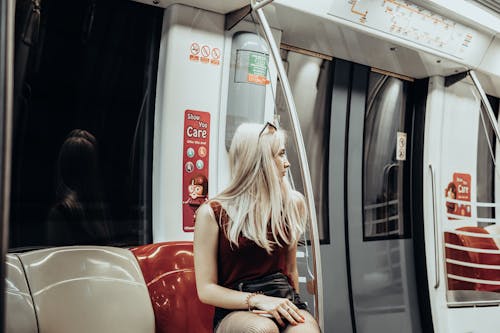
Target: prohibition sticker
{"points": [[215, 56], [195, 50], [401, 146], [215, 53], [205, 50], [205, 54]]}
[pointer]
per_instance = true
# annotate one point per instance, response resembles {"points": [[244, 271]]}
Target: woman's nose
{"points": [[286, 164]]}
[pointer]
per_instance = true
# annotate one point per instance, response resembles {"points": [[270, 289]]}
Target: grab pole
{"points": [[304, 166]]}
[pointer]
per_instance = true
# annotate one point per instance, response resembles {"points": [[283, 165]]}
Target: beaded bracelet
{"points": [[247, 300]]}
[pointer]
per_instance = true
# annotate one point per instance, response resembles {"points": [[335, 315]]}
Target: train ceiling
{"points": [[418, 39]]}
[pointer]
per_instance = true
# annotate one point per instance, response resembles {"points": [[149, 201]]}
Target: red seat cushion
{"points": [[473, 257], [458, 270], [168, 270]]}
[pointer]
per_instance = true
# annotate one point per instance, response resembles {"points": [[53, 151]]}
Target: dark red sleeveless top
{"points": [[247, 261]]}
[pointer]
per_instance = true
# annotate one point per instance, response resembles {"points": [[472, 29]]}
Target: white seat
{"points": [[84, 289], [20, 314]]}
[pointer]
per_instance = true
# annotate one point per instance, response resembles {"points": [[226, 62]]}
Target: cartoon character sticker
{"points": [[458, 190], [451, 193], [197, 189]]}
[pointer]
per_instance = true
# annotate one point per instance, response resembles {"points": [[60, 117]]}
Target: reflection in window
{"points": [[311, 82], [486, 149], [83, 125], [384, 171], [79, 211]]}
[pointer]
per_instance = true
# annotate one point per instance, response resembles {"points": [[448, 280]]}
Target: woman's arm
{"points": [[206, 238], [291, 257], [291, 266]]}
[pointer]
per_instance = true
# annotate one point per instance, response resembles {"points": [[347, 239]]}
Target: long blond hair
{"points": [[258, 199]]}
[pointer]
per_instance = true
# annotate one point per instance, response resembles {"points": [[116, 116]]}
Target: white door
{"points": [[463, 259]]}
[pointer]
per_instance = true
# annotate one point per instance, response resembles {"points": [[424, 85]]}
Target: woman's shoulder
{"points": [[298, 198], [212, 206], [299, 201], [210, 209], [205, 210]]}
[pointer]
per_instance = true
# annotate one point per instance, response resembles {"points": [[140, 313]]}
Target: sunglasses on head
{"points": [[266, 125]]}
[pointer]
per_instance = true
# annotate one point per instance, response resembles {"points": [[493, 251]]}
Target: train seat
{"points": [[168, 269], [472, 257], [494, 229], [83, 289], [19, 314]]}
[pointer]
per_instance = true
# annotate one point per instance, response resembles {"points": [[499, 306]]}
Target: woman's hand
{"points": [[279, 308]]}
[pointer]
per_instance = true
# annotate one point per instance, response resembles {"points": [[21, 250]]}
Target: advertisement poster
{"points": [[194, 165], [458, 189]]}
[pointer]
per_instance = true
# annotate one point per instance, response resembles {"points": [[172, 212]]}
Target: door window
{"points": [[386, 156]]}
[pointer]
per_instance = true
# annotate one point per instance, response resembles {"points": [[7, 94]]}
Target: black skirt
{"points": [[275, 285]]}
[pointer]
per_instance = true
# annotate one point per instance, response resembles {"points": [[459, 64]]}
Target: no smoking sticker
{"points": [[205, 54]]}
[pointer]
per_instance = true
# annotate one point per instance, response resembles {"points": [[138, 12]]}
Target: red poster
{"points": [[458, 189], [194, 165]]}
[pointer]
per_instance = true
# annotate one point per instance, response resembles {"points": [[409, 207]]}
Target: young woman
{"points": [[245, 240]]}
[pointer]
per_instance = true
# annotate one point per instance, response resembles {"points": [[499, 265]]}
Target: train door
{"points": [[358, 127], [460, 219], [378, 203]]}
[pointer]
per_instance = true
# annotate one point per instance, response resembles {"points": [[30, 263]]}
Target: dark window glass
{"points": [[486, 149], [85, 81], [386, 168]]}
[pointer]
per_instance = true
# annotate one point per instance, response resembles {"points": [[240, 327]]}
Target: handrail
{"points": [[258, 4], [7, 12], [486, 103], [304, 166], [387, 172], [434, 223], [472, 234]]}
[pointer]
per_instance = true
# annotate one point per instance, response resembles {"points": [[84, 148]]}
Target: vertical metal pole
{"points": [[486, 103], [434, 223], [7, 8], [304, 166]]}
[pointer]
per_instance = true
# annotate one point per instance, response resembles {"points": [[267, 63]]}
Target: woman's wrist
{"points": [[251, 300]]}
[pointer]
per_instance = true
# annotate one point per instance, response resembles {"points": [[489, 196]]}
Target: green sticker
{"points": [[257, 64]]}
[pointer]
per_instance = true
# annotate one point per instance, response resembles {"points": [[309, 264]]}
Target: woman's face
{"points": [[281, 161]]}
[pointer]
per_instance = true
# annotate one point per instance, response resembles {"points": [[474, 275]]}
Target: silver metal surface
{"points": [[436, 247], [258, 4], [493, 5], [304, 166], [462, 298]]}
